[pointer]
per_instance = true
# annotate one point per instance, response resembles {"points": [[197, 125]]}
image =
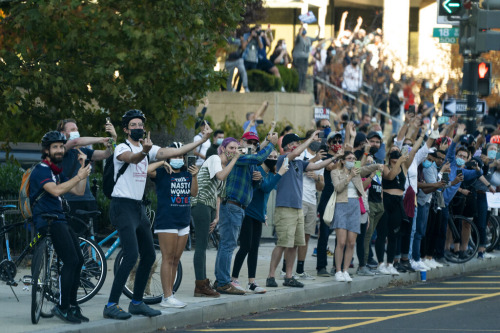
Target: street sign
{"points": [[446, 35], [453, 107], [449, 11], [321, 113]]}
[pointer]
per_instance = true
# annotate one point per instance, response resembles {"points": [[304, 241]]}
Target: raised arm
{"points": [[165, 153], [297, 151]]}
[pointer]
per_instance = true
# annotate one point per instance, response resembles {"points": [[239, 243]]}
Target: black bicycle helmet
{"points": [[132, 114], [53, 136], [176, 145]]}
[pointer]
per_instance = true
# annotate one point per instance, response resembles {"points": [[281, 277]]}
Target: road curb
{"points": [[234, 306]]}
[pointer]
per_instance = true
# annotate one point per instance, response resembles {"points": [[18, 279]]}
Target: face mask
{"points": [[427, 164], [327, 131], [304, 32], [314, 146], [354, 63], [381, 134], [74, 135], [373, 150], [394, 155], [292, 148], [219, 141], [498, 155], [229, 156], [271, 164], [283, 46], [460, 161], [434, 165], [333, 52], [136, 134], [349, 165], [491, 153], [176, 163], [337, 147]]}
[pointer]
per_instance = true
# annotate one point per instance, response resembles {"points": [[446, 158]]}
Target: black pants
{"points": [[360, 245], [389, 227], [68, 250], [428, 245], [324, 234], [250, 233], [129, 218]]}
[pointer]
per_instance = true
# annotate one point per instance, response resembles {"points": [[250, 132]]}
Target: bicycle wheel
{"points": [[154, 292], [93, 272], [40, 276], [472, 245], [491, 233]]}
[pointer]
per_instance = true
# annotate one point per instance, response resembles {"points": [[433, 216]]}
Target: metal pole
{"points": [[469, 87]]}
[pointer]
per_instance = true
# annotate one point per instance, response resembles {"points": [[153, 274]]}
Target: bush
{"points": [[263, 81], [10, 178], [290, 78]]}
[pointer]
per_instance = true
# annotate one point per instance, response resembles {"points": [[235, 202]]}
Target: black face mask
{"points": [[394, 155], [354, 63], [271, 164], [373, 150], [136, 134]]}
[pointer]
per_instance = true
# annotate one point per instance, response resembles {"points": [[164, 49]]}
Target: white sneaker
{"points": [[418, 266], [429, 264], [347, 277], [255, 288], [435, 263], [486, 255], [339, 277], [305, 276], [382, 269], [172, 302], [237, 285], [392, 270], [282, 275]]}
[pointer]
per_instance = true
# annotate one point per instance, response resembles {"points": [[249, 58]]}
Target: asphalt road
{"points": [[466, 304]]}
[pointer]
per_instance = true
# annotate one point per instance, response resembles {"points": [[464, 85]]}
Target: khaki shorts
{"points": [[310, 216], [289, 224]]}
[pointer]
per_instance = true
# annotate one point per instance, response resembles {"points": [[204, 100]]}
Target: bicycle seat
{"points": [[461, 217], [6, 207], [88, 214], [50, 217]]}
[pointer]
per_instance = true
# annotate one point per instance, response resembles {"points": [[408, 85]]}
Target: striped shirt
{"points": [[209, 187]]}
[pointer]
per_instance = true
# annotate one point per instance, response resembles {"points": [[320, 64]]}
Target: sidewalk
{"points": [[15, 316]]}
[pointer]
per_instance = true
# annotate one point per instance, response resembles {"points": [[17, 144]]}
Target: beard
{"points": [[56, 158]]}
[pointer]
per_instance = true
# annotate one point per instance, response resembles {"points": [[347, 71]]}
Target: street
{"points": [[465, 304]]}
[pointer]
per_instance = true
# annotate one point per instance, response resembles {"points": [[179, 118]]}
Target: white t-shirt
{"points": [[202, 149], [131, 184], [309, 185]]}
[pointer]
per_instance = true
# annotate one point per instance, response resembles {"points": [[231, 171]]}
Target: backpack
{"points": [[108, 174], [25, 206]]}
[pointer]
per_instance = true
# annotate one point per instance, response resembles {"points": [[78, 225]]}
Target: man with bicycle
{"points": [[128, 214], [47, 185]]}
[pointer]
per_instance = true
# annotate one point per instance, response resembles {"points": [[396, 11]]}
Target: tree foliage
{"points": [[92, 59]]}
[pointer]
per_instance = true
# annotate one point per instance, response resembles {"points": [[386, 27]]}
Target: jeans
{"points": [[482, 217], [301, 66], [413, 229], [230, 220], [230, 66], [420, 228]]}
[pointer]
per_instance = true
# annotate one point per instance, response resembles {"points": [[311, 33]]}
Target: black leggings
{"points": [[250, 233], [429, 241], [129, 218], [360, 244], [389, 226], [68, 250]]}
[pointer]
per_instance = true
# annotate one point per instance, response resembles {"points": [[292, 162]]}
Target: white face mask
{"points": [[74, 135], [349, 165]]}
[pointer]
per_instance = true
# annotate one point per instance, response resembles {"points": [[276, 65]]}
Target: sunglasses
{"points": [[325, 126]]}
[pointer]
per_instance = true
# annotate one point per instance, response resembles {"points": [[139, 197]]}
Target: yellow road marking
{"points": [[473, 282], [437, 307], [357, 310], [259, 329], [311, 319], [458, 288], [484, 276], [390, 302], [428, 295]]}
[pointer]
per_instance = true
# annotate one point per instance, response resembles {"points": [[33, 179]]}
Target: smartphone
{"points": [[444, 120], [357, 164], [259, 121], [411, 109], [249, 151], [378, 173], [404, 151], [87, 162], [242, 150], [108, 120], [446, 177], [285, 161], [459, 172], [191, 160]]}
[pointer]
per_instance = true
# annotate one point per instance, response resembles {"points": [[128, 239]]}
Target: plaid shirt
{"points": [[239, 182]]}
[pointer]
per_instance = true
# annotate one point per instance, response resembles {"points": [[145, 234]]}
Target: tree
{"points": [[92, 59]]}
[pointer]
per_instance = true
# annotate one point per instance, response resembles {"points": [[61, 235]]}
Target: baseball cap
{"points": [[373, 134], [250, 136], [360, 137], [333, 134], [289, 138]]}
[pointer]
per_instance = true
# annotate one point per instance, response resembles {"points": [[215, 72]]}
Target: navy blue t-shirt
{"points": [[70, 166], [174, 199], [41, 175]]}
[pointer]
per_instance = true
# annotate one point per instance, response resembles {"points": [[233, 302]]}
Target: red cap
{"points": [[250, 136]]}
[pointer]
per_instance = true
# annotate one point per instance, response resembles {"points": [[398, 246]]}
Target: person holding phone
{"points": [[347, 218], [175, 185]]}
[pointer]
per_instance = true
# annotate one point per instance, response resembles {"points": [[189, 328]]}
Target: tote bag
{"points": [[330, 209]]}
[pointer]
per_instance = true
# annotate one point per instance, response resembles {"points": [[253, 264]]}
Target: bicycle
{"points": [[464, 224]]}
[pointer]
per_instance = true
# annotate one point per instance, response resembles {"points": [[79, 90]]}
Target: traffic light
{"points": [[478, 27], [450, 7], [484, 78]]}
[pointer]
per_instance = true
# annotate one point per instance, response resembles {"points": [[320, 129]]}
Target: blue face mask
{"points": [[459, 161], [219, 141], [492, 154], [434, 165], [427, 164], [327, 131], [177, 163]]}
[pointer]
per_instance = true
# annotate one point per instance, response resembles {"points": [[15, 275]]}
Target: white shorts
{"points": [[179, 232]]}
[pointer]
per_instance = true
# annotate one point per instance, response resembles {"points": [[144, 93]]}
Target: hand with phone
{"points": [[109, 128], [193, 170], [191, 161]]}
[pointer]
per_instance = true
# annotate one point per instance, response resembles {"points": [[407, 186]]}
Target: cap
{"points": [[360, 137], [333, 134], [250, 136], [289, 138], [372, 134]]}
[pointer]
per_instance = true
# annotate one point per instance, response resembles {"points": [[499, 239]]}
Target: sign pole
{"points": [[469, 89]]}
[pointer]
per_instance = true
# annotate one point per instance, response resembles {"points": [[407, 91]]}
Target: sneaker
{"points": [[283, 89], [315, 252], [115, 312], [339, 277], [76, 311], [172, 302], [382, 269], [434, 263], [418, 266], [347, 277], [255, 288], [372, 263], [237, 285], [143, 309], [429, 264], [488, 256], [442, 261], [271, 282], [304, 276], [392, 270], [230, 290], [65, 315], [247, 90], [323, 273], [407, 266], [364, 271], [291, 282], [399, 267]]}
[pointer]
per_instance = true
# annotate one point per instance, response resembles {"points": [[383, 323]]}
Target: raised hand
{"points": [[193, 170], [207, 132], [146, 143], [82, 157]]}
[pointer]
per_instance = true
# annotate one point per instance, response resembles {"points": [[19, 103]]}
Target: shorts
{"points": [[310, 217], [264, 65], [179, 232], [289, 225]]}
